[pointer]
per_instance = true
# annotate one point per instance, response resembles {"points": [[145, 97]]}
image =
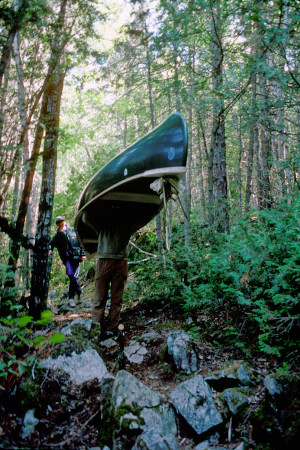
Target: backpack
{"points": [[74, 244]]}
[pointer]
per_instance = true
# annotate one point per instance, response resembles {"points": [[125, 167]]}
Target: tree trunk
{"points": [[187, 184], [253, 141], [218, 145], [57, 48], [6, 50], [202, 175], [40, 278], [153, 123], [209, 158], [266, 148]]}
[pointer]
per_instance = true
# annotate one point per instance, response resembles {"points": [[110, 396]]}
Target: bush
{"points": [[251, 277]]}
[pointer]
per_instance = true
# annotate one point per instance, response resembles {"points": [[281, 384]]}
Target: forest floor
{"points": [[69, 414]]}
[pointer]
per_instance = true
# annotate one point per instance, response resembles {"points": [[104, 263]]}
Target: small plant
{"points": [[17, 346]]}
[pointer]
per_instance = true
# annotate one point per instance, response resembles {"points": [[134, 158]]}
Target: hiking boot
{"points": [[72, 302]]}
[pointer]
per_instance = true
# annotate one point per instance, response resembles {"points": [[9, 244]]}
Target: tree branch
{"points": [[9, 229]]}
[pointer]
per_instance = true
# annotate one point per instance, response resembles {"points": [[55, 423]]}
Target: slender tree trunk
{"points": [[202, 176], [253, 141], [241, 152], [236, 120], [153, 124], [279, 113], [6, 50], [218, 145], [176, 80], [187, 195], [40, 280], [266, 148], [208, 155], [31, 220], [187, 184], [3, 92]]}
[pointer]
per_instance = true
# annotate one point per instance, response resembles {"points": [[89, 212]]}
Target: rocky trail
{"points": [[169, 389]]}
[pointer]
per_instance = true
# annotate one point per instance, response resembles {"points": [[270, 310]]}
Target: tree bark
{"points": [[253, 141], [218, 144], [153, 124], [266, 148], [40, 278]]}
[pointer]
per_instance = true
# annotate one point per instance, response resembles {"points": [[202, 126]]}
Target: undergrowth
{"points": [[249, 279]]}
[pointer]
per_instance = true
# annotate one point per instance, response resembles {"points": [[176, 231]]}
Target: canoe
{"points": [[121, 191]]}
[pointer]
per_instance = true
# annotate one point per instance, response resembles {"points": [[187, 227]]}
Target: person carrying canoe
{"points": [[71, 254], [111, 271]]}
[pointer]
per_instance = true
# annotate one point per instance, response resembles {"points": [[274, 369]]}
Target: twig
{"points": [[32, 370], [253, 408], [140, 261], [230, 429], [142, 251], [46, 376], [90, 418]]}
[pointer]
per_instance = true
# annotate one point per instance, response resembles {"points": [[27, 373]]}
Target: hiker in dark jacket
{"points": [[71, 254]]}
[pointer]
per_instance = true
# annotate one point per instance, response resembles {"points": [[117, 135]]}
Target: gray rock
{"points": [[138, 409], [181, 348], [232, 376], [243, 376], [108, 343], [153, 440], [86, 323], [29, 424], [135, 352], [272, 386], [202, 446], [81, 368], [234, 399], [192, 399], [241, 446], [149, 337], [53, 294]]}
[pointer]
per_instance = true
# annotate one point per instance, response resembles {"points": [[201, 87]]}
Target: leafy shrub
{"points": [[17, 347], [251, 277]]}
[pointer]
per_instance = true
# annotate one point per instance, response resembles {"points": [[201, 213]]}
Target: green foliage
{"points": [[14, 344], [250, 278], [8, 290], [18, 344]]}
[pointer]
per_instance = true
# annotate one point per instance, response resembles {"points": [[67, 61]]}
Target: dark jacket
{"points": [[67, 245]]}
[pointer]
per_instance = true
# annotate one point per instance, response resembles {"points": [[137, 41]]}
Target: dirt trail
{"points": [[69, 415]]}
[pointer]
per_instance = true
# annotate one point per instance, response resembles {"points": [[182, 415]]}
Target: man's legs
{"points": [[102, 279], [119, 276], [72, 270]]}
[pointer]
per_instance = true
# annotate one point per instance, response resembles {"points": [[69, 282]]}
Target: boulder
{"points": [[135, 352], [131, 409], [232, 376], [81, 367], [153, 440], [235, 399], [181, 349], [86, 323], [272, 386], [149, 337], [192, 399]]}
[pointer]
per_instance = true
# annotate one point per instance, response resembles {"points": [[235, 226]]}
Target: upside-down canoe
{"points": [[121, 191]]}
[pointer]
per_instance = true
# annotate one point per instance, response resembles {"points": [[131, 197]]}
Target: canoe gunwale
{"points": [[178, 172]]}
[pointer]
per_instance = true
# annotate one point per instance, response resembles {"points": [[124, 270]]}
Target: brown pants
{"points": [[113, 273]]}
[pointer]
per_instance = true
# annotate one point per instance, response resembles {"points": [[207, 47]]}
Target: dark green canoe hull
{"points": [[121, 190]]}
